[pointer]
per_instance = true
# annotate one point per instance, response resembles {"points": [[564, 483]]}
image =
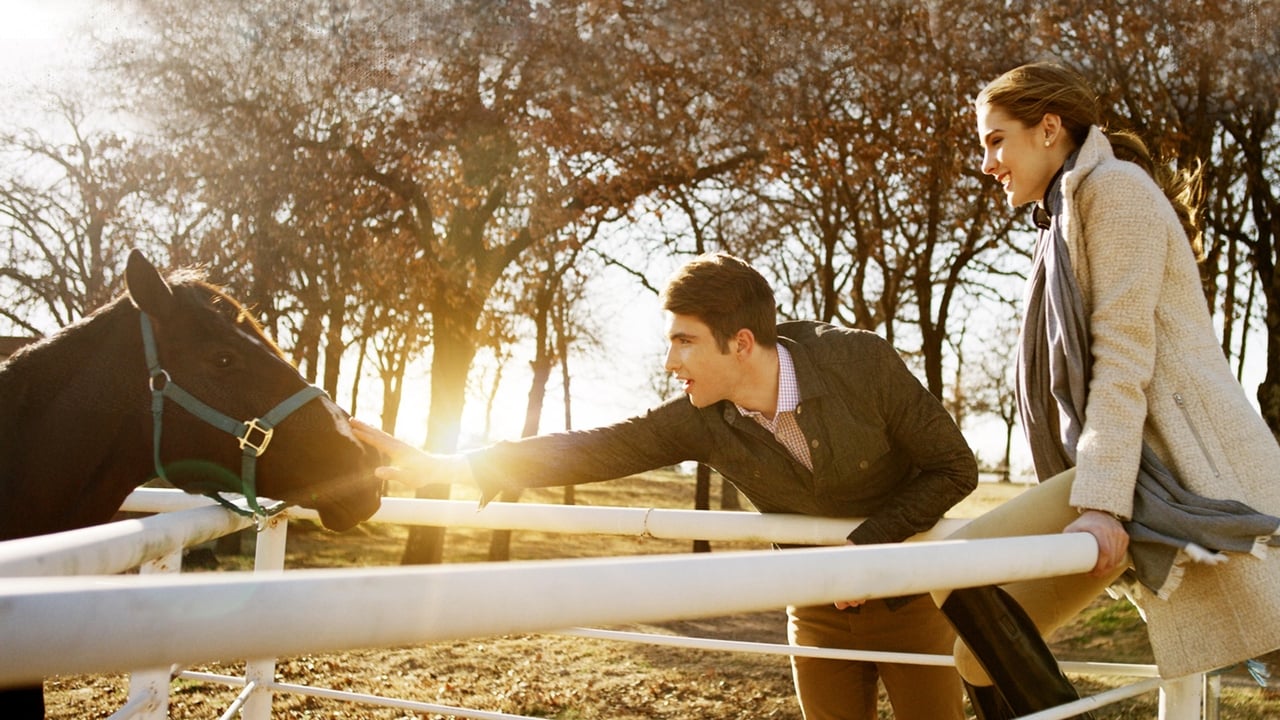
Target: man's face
{"points": [[708, 374]]}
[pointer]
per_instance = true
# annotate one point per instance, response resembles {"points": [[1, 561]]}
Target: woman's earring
{"points": [[1046, 143]]}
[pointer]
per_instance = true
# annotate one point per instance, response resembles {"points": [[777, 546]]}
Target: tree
{"points": [[1251, 128], [1198, 82], [990, 382], [543, 292], [64, 210]]}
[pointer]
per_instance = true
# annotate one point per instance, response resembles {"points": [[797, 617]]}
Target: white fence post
{"points": [[1181, 698], [268, 558], [1213, 696], [151, 687]]}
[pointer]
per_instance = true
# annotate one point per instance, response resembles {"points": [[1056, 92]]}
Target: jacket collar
{"points": [[1095, 151], [807, 376], [792, 335]]}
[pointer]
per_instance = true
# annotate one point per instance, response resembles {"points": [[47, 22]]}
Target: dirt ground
{"points": [[540, 676], [570, 678]]}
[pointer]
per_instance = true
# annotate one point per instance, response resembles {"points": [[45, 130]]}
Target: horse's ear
{"points": [[148, 291]]}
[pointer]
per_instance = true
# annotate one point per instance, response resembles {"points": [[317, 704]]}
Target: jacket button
{"points": [[797, 409], [864, 465], [814, 444]]}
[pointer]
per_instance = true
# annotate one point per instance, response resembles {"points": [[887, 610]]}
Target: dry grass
{"points": [[573, 678]]}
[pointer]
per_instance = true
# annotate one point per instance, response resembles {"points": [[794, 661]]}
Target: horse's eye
{"points": [[224, 360]]}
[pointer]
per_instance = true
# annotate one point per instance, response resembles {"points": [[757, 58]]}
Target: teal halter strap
{"points": [[253, 435]]}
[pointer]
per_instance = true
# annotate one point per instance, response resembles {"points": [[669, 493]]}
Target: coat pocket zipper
{"points": [[1204, 450]]}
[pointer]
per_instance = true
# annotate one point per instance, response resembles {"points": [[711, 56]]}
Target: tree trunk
{"points": [[333, 345], [355, 381], [306, 353], [500, 540], [570, 497], [702, 501], [1007, 475], [450, 363], [392, 393], [1267, 220], [730, 498]]}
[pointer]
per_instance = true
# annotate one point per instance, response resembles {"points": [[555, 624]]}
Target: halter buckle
{"points": [[159, 380], [248, 442]]}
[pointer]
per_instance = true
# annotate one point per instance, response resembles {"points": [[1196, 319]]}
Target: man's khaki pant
{"points": [[846, 690], [1044, 509]]}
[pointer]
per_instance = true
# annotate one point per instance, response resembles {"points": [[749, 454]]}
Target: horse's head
{"points": [[208, 345]]}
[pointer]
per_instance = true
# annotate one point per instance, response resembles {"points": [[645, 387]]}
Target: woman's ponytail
{"points": [[1181, 187]]}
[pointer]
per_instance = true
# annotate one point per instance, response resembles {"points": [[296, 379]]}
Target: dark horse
{"points": [[156, 384]]}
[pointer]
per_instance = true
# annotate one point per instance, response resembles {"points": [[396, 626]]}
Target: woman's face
{"points": [[1023, 159]]}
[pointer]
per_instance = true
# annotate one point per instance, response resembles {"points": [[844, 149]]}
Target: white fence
{"points": [[62, 611]]}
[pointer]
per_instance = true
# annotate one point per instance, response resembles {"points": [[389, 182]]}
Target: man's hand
{"points": [[410, 466], [1113, 541]]}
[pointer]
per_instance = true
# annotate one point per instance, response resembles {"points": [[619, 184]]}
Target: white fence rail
{"points": [[94, 623]]}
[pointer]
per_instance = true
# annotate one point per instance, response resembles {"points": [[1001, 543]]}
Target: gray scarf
{"points": [[1170, 523]]}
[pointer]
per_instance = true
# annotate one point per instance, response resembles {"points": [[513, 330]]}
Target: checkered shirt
{"points": [[783, 425]]}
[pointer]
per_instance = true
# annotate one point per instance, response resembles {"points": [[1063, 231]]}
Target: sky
{"points": [[30, 33], [36, 43]]}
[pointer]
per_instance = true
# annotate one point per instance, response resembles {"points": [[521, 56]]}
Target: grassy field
{"points": [[570, 678]]}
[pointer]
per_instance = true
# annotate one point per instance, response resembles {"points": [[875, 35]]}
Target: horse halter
{"points": [[253, 435]]}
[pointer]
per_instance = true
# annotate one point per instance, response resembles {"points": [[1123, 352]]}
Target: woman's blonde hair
{"points": [[1031, 91]]}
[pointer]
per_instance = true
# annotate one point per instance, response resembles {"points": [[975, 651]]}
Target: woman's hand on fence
{"points": [[1113, 541], [409, 466]]}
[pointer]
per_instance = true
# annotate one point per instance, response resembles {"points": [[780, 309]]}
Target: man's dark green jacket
{"points": [[882, 446]]}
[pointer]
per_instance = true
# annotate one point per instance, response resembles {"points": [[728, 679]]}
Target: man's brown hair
{"points": [[726, 294]]}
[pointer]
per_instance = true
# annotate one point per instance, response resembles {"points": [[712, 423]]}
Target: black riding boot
{"points": [[25, 703], [987, 703], [1008, 646]]}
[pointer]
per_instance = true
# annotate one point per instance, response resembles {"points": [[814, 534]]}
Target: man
{"points": [[802, 417]]}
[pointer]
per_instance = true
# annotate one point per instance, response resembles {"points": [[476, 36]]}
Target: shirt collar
{"points": [[788, 387]]}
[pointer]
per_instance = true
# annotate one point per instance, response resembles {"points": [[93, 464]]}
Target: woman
{"points": [[1140, 432]]}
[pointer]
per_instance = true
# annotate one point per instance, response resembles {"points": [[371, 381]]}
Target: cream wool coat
{"points": [[1159, 375]]}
